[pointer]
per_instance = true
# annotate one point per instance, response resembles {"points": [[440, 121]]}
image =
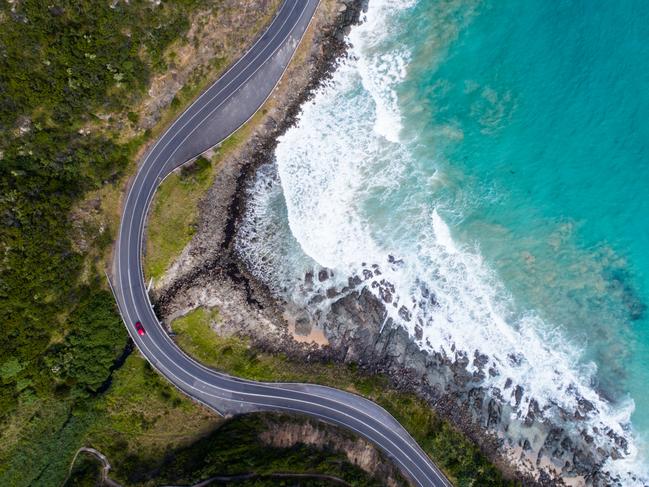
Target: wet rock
{"points": [[419, 332], [386, 295], [323, 275], [308, 280], [494, 412], [476, 398], [518, 395], [317, 299], [533, 412], [515, 359], [585, 406], [354, 281], [480, 359], [404, 313]]}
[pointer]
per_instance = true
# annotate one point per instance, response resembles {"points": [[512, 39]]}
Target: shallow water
{"points": [[500, 150]]}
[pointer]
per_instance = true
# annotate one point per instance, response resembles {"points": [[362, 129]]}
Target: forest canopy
{"points": [[63, 66]]}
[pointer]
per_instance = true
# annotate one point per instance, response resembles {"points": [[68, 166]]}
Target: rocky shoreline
{"points": [[210, 273]]}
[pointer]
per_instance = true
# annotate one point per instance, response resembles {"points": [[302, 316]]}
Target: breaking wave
{"points": [[338, 198]]}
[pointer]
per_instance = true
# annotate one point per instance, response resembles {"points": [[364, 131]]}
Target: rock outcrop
{"points": [[209, 272]]}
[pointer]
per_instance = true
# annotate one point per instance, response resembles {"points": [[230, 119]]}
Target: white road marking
{"points": [[129, 228]]}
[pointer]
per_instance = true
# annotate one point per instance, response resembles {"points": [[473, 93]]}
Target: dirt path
{"points": [[105, 466]]}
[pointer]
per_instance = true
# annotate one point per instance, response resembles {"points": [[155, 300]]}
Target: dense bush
{"points": [[236, 448], [63, 64]]}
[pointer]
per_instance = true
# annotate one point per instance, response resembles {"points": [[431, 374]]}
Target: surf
{"points": [[340, 197]]}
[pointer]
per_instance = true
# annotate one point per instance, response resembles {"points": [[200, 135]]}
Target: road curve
{"points": [[218, 112]]}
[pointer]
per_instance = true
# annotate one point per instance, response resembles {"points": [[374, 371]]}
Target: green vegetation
{"points": [[70, 71], [148, 432], [70, 74], [140, 415], [86, 472], [172, 219], [236, 448], [63, 67], [174, 212], [450, 449]]}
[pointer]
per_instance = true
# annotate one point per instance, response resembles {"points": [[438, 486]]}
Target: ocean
{"points": [[496, 155]]}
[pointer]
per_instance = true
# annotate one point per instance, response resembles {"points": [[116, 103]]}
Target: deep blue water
{"points": [[552, 169], [500, 150]]}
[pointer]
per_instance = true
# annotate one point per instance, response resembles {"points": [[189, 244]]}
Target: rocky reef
{"points": [[529, 445]]}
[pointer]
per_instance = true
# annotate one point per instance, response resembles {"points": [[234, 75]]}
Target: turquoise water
{"points": [[495, 155], [552, 168]]}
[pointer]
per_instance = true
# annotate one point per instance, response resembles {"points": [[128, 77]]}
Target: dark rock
{"points": [[386, 295], [308, 280], [317, 299], [515, 359], [532, 412], [354, 281], [323, 275], [419, 332], [404, 313], [494, 412], [518, 395], [480, 359]]}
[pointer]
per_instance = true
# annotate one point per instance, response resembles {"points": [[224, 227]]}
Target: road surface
{"points": [[217, 113]]}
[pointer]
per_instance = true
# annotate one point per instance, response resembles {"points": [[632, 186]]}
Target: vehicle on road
{"points": [[213, 117], [140, 329]]}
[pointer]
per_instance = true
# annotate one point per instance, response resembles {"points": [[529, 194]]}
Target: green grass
{"points": [[174, 214], [152, 435], [142, 418], [136, 422], [460, 459]]}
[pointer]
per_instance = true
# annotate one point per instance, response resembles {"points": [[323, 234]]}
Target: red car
{"points": [[139, 328]]}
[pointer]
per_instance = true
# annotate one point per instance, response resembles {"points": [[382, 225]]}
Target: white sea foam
{"points": [[340, 170], [381, 67]]}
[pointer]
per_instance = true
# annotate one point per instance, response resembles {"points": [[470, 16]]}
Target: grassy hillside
{"points": [[64, 67], [73, 78], [460, 459]]}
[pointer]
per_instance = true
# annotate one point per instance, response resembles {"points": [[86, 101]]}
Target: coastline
{"points": [[209, 273], [209, 264]]}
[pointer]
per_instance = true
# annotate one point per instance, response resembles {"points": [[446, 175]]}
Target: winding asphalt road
{"points": [[217, 113]]}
